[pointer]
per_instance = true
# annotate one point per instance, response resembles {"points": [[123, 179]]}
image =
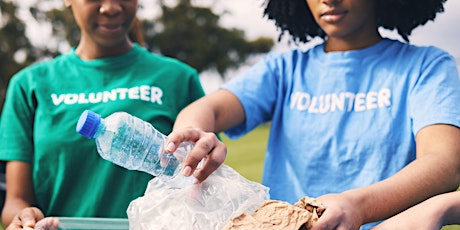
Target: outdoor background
{"points": [[245, 155], [248, 15]]}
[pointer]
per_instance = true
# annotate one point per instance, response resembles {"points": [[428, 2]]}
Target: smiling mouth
{"points": [[111, 28]]}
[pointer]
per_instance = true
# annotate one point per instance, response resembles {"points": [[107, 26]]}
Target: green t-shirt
{"points": [[44, 102]]}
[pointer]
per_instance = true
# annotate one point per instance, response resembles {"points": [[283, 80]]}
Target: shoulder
{"points": [[419, 51], [289, 59], [164, 62], [417, 57], [292, 54], [40, 68]]}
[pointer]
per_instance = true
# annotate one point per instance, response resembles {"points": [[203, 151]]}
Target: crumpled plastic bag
{"points": [[179, 203]]}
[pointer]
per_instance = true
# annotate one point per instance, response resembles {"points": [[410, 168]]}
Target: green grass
{"points": [[246, 156]]}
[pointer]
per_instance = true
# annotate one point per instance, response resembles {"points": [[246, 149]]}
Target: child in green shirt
{"points": [[52, 168]]}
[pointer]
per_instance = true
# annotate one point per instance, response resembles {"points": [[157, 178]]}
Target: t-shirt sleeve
{"points": [[196, 89], [16, 122], [435, 96], [257, 91]]}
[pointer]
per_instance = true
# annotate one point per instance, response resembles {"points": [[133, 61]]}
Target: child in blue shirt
{"points": [[367, 125]]}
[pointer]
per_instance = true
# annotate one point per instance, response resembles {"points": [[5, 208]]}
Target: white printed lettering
{"points": [[109, 96], [371, 100], [351, 98], [143, 92], [337, 102], [384, 98], [294, 97], [57, 99], [71, 99], [95, 98], [313, 108], [301, 101], [156, 94], [345, 101], [133, 93], [360, 102], [82, 99], [324, 103], [122, 92]]}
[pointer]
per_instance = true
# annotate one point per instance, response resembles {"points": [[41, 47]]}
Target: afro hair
{"points": [[295, 18]]}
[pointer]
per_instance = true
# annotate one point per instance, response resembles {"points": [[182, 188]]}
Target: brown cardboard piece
{"points": [[274, 215]]}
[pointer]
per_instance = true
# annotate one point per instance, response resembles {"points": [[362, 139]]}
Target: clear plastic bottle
{"points": [[131, 143]]}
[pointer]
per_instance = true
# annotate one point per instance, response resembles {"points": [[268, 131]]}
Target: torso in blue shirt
{"points": [[343, 120]]}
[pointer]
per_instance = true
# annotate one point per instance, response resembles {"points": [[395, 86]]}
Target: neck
{"points": [[90, 51], [337, 44]]}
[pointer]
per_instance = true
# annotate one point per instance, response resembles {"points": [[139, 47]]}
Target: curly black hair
{"points": [[295, 18]]}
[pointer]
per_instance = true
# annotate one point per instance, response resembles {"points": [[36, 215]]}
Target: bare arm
{"points": [[19, 196], [436, 170], [452, 202], [433, 213], [198, 123], [215, 112]]}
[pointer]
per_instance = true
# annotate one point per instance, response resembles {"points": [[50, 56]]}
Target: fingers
{"points": [[206, 146], [340, 213], [48, 223], [26, 219], [214, 160], [324, 222], [182, 135], [16, 224]]}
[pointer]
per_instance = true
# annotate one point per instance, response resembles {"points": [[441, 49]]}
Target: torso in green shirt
{"points": [[41, 110]]}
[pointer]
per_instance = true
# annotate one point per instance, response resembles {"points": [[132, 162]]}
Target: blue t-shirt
{"points": [[343, 120]]}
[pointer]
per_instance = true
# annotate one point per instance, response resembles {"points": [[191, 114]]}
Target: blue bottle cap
{"points": [[88, 123]]}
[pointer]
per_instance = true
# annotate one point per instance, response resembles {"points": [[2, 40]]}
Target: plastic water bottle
{"points": [[131, 143]]}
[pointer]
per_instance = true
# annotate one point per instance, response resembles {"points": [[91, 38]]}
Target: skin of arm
{"points": [[349, 25], [452, 202], [435, 171], [198, 123], [433, 213], [18, 210]]}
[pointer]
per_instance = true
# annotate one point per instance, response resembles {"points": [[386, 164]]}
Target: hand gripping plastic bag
{"points": [[179, 203]]}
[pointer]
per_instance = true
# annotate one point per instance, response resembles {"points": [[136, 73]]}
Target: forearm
{"points": [[19, 190], [198, 123], [436, 170], [197, 116], [213, 113], [11, 208], [451, 201], [423, 178], [433, 213]]}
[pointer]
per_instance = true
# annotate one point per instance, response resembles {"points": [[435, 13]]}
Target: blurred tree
{"points": [[183, 31], [64, 30], [15, 48], [193, 35]]}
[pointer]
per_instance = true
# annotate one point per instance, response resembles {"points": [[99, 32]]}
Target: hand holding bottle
{"points": [[206, 146]]}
